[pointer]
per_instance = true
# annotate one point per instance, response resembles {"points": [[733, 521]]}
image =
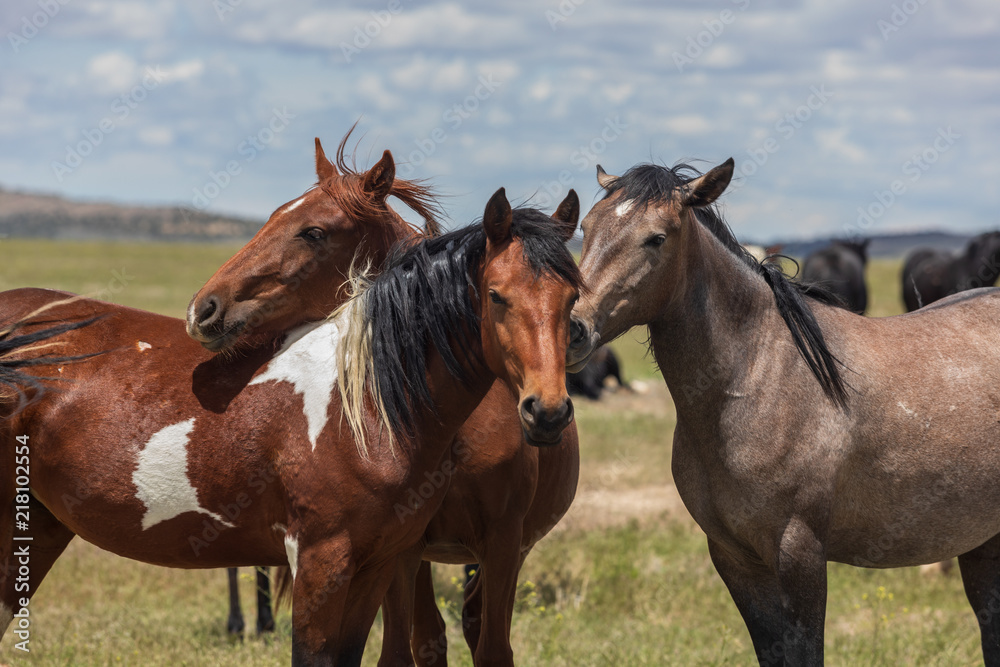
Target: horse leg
{"points": [[501, 562], [785, 611], [397, 613], [472, 610], [334, 604], [265, 618], [981, 576], [430, 638], [365, 594], [235, 624], [19, 580]]}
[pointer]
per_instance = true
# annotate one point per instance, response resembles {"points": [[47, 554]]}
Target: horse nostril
{"points": [[208, 311], [577, 333], [567, 411], [528, 407]]}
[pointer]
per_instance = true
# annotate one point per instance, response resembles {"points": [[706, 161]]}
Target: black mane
{"points": [[652, 183], [427, 296]]}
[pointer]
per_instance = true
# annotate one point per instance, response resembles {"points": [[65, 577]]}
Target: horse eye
{"points": [[656, 241], [496, 298], [313, 234]]}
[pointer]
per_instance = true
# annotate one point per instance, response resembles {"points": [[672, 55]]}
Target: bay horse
{"points": [[805, 433], [480, 520], [275, 478], [839, 268], [930, 275]]}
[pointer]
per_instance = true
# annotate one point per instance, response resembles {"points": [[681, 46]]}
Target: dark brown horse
{"points": [[480, 520], [840, 269], [287, 468], [930, 275], [589, 381], [805, 433]]}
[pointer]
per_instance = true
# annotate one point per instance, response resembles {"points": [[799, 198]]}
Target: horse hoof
{"points": [[264, 626], [235, 627]]}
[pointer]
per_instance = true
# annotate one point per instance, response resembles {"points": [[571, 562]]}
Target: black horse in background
{"points": [[265, 617], [929, 275], [589, 382], [840, 270]]}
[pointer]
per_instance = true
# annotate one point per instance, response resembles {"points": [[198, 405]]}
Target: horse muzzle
{"points": [[543, 426]]}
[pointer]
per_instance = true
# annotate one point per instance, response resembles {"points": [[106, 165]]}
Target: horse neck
{"points": [[454, 402], [715, 329]]}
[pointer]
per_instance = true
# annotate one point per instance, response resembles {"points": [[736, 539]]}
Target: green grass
{"points": [[157, 277], [644, 593]]}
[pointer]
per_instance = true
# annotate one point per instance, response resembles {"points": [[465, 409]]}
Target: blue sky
{"points": [[861, 115]]}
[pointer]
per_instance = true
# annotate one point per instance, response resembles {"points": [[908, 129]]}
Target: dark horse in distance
{"points": [[589, 381], [840, 269], [929, 275]]}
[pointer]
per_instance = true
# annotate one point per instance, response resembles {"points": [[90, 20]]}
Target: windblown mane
{"points": [[347, 191], [14, 381], [651, 184], [428, 297]]}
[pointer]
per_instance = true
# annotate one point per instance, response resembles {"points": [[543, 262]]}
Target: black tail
{"points": [[13, 380]]}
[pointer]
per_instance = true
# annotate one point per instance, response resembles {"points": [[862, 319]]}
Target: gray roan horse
{"points": [[805, 433]]}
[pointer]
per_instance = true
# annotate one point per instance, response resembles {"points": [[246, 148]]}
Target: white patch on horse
{"points": [[142, 346], [295, 204], [906, 409], [292, 551], [624, 207], [308, 359], [161, 477], [280, 527], [6, 616]]}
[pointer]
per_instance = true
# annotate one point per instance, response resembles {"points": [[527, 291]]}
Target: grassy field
{"points": [[625, 580]]}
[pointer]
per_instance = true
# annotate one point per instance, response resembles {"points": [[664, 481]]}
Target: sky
{"points": [[844, 118]]}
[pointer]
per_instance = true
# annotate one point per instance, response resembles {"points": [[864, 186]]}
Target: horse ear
{"points": [[567, 215], [324, 168], [379, 179], [497, 218], [705, 189], [604, 179]]}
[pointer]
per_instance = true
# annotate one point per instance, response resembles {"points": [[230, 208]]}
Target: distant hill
{"points": [[887, 245], [28, 215]]}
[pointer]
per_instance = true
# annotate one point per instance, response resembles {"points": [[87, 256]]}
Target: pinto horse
{"points": [[271, 476], [479, 519], [820, 435]]}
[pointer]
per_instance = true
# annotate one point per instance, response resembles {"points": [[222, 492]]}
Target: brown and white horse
{"points": [[481, 520], [160, 452], [805, 433]]}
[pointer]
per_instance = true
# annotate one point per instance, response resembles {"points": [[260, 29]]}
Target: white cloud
{"points": [[113, 71], [156, 136], [183, 71], [687, 124]]}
